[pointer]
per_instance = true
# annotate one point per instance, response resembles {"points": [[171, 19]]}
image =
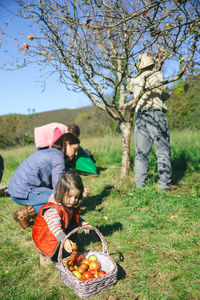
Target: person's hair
{"points": [[67, 181], [74, 128], [60, 143]]}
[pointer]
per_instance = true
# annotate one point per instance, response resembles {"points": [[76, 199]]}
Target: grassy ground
{"points": [[153, 236]]}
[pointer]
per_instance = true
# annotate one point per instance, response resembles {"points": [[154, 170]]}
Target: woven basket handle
{"points": [[104, 243]]}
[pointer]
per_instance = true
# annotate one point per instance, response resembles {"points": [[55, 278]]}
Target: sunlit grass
{"points": [[152, 235]]}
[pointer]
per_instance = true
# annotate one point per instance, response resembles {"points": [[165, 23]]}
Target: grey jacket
{"points": [[39, 172]]}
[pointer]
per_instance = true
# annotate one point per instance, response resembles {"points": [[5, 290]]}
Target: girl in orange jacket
{"points": [[59, 216]]}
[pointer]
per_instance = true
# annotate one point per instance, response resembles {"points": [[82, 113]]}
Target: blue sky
{"points": [[21, 90]]}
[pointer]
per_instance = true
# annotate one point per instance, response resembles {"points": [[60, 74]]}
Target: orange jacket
{"points": [[44, 240]]}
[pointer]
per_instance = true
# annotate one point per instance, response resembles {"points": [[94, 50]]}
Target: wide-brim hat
{"points": [[145, 61]]}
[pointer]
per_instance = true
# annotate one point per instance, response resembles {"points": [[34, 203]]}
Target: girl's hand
{"points": [[86, 192], [87, 231], [68, 245]]}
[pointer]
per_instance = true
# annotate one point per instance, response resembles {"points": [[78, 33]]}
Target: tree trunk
{"points": [[126, 146]]}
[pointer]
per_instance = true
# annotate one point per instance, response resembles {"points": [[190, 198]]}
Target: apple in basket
{"points": [[95, 273], [69, 264], [84, 266], [92, 257], [87, 275], [74, 247], [101, 273], [94, 266], [76, 257], [77, 274], [81, 269], [85, 261]]}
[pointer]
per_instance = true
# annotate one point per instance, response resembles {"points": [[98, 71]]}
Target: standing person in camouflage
{"points": [[151, 125]]}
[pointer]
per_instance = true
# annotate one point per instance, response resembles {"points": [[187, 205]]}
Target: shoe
{"points": [[170, 188], [45, 261], [23, 215]]}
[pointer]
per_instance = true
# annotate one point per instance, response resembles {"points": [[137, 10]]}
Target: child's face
{"points": [[71, 150], [72, 198]]}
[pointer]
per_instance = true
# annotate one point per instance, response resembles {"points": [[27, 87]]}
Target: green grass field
{"points": [[152, 235]]}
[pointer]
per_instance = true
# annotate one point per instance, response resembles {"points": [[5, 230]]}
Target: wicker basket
{"points": [[92, 287]]}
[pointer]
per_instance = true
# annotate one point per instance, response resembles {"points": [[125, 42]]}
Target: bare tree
{"points": [[94, 46]]}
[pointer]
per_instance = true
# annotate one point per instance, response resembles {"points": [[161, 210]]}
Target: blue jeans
{"points": [[35, 200]]}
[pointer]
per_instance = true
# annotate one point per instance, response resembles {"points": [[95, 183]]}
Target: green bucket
{"points": [[84, 163]]}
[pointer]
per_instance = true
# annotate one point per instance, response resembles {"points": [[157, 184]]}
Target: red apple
{"points": [[94, 266], [101, 273], [87, 275], [85, 266], [85, 261], [76, 257], [81, 270]]}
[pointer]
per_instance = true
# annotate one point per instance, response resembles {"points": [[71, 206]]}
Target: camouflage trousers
{"points": [[151, 126]]}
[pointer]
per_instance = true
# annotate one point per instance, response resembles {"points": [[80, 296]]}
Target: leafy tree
{"points": [[180, 88], [184, 104], [94, 46], [14, 130]]}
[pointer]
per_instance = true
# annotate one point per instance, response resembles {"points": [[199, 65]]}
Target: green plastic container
{"points": [[84, 163]]}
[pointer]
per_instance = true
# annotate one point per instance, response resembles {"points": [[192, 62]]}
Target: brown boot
{"points": [[23, 216]]}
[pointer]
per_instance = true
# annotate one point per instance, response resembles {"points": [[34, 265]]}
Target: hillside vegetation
{"points": [[184, 112]]}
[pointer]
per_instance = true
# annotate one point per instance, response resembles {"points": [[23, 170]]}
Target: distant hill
{"points": [[183, 112], [90, 119], [18, 129]]}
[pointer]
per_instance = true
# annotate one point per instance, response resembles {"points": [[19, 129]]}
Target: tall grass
{"points": [[152, 235]]}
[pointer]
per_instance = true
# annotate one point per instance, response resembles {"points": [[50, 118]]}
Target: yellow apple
{"points": [[77, 274]]}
